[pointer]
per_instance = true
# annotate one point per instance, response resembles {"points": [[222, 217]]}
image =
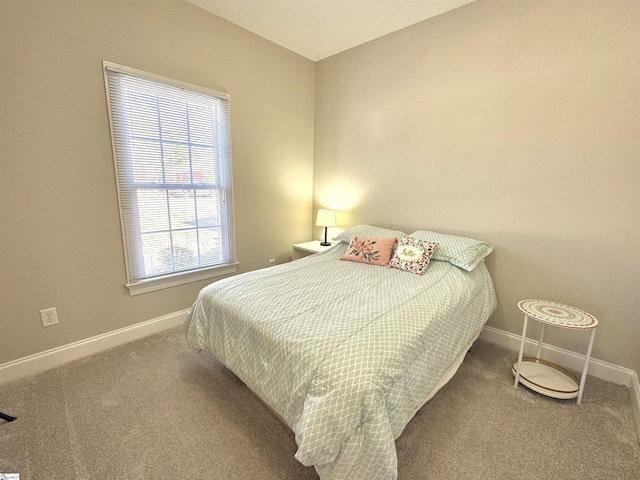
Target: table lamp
{"points": [[326, 218]]}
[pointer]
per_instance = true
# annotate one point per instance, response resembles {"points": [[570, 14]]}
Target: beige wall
{"points": [[514, 122], [60, 240]]}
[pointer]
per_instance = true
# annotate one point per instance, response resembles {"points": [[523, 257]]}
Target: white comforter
{"points": [[345, 352]]}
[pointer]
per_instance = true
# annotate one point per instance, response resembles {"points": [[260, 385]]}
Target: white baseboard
{"points": [[566, 358], [597, 368], [55, 357], [634, 390]]}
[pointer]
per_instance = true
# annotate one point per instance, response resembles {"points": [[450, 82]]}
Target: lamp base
{"points": [[326, 243]]}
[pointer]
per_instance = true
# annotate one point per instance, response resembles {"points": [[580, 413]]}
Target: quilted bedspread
{"points": [[346, 353]]}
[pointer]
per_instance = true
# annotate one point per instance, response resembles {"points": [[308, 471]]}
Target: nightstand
{"points": [[542, 376], [305, 249]]}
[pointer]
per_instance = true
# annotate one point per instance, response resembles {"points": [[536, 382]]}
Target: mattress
{"points": [[345, 353]]}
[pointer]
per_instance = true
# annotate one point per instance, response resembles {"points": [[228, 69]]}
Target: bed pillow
{"points": [[368, 231], [412, 255], [462, 252], [371, 250]]}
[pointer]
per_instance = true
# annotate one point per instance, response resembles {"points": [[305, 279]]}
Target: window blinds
{"points": [[172, 155]]}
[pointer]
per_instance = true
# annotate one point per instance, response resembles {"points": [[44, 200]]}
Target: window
{"points": [[172, 154]]}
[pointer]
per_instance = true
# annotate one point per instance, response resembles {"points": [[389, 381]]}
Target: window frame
{"points": [[132, 246]]}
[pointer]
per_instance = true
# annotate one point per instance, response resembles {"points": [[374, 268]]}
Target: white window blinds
{"points": [[172, 154]]}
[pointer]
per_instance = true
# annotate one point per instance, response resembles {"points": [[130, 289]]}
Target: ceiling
{"points": [[317, 29]]}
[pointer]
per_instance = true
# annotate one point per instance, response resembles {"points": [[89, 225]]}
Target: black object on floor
{"points": [[6, 417]]}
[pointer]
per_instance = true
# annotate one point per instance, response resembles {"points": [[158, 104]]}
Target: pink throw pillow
{"points": [[371, 250]]}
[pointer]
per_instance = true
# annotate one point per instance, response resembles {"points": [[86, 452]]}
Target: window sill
{"points": [[167, 281]]}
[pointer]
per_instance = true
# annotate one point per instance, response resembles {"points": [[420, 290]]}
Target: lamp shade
{"points": [[326, 218]]}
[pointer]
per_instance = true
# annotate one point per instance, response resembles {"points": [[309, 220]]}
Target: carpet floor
{"points": [[154, 409]]}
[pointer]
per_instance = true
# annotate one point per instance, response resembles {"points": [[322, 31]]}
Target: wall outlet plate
{"points": [[49, 316]]}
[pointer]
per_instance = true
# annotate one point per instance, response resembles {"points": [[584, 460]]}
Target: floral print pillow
{"points": [[412, 255], [372, 250]]}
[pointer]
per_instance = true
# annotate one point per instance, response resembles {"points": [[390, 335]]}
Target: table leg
{"points": [[524, 336], [540, 341], [586, 365]]}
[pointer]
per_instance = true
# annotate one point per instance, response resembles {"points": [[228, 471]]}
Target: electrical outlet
{"points": [[49, 316], [272, 262]]}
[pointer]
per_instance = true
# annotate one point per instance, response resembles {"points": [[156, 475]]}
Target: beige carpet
{"points": [[154, 409]]}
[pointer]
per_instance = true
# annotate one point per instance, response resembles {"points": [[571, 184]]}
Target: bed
{"points": [[346, 353]]}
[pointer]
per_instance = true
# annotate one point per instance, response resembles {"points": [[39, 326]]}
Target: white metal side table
{"points": [[542, 376]]}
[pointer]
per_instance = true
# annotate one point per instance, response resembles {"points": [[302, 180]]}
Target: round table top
{"points": [[557, 314]]}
